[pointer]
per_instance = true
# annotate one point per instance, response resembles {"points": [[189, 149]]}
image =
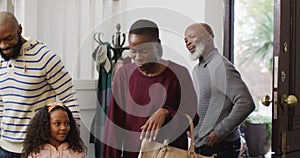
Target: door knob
{"points": [[290, 100], [266, 100]]}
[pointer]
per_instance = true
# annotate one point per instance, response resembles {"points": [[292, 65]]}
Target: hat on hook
{"points": [[101, 58]]}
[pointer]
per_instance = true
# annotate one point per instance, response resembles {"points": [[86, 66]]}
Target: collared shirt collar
{"points": [[205, 60]]}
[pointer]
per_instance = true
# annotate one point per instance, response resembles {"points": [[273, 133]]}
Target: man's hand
{"points": [[213, 139], [151, 128]]}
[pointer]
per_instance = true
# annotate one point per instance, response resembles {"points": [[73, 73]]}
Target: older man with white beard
{"points": [[224, 100]]}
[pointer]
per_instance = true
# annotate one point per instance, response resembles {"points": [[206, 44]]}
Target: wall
{"points": [[6, 5], [68, 27], [86, 90]]}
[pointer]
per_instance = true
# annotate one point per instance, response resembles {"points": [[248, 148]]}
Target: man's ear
{"points": [[20, 29], [209, 37]]}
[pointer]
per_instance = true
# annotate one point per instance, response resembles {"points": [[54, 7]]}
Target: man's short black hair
{"points": [[143, 26]]}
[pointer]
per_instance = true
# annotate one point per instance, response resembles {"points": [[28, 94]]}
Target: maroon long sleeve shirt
{"points": [[136, 97]]}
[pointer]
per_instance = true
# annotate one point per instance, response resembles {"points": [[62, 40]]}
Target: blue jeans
{"points": [[224, 150], [8, 154]]}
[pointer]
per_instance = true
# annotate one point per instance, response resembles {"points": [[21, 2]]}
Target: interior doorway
{"points": [[253, 52], [253, 47]]}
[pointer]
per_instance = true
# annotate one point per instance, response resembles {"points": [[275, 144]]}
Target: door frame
{"points": [[284, 34], [228, 41]]}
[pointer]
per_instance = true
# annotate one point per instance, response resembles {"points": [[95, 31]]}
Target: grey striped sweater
{"points": [[224, 100]]}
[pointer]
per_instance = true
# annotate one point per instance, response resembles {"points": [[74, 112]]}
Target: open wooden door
{"points": [[286, 74], [286, 80]]}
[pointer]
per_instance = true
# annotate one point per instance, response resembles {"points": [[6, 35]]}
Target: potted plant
{"points": [[258, 134]]}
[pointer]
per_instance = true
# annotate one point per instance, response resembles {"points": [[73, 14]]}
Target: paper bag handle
{"points": [[192, 148]]}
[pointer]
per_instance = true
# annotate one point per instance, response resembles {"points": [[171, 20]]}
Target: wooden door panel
{"points": [[293, 155], [294, 123], [293, 139], [296, 54], [286, 126]]}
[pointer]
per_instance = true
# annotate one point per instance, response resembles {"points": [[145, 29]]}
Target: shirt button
{"points": [[9, 65]]}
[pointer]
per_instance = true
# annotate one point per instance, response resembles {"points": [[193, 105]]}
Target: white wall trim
{"points": [[85, 84]]}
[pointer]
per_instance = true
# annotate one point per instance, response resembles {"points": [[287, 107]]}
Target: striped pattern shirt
{"points": [[28, 83], [224, 100]]}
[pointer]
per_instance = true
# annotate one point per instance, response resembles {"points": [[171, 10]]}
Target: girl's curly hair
{"points": [[38, 132]]}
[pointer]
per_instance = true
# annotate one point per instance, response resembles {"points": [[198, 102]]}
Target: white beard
{"points": [[198, 51]]}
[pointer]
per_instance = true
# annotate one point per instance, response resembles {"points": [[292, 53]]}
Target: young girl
{"points": [[52, 133]]}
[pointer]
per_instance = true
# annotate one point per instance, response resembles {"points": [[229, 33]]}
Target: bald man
{"points": [[224, 100], [31, 76]]}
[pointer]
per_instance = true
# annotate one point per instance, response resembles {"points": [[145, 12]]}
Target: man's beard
{"points": [[16, 50], [198, 51]]}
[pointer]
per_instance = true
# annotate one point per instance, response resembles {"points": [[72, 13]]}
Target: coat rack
{"points": [[117, 47]]}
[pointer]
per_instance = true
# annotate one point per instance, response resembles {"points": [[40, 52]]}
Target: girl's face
{"points": [[59, 127]]}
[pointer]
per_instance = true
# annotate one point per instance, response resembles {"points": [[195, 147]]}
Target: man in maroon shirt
{"points": [[149, 98]]}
